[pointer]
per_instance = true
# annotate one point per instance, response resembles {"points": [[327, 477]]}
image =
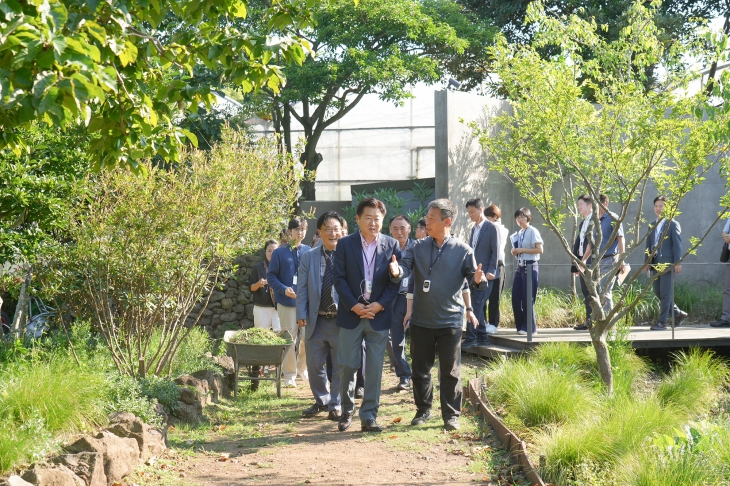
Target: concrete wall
{"points": [[462, 172]]}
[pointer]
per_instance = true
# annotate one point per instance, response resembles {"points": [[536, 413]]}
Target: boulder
{"points": [[228, 317], [89, 466], [52, 476], [189, 413], [151, 441], [216, 296], [216, 384], [15, 481], [226, 304], [121, 454], [198, 385]]}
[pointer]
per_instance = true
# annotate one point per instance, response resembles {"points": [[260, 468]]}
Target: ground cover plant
{"points": [[53, 388], [656, 428], [258, 336]]}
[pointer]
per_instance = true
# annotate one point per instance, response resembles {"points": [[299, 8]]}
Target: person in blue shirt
{"points": [[282, 278]]}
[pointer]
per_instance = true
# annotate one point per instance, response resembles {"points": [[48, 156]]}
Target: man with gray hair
{"points": [[438, 266]]}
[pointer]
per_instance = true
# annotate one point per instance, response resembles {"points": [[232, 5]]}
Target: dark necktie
{"points": [[326, 301]]}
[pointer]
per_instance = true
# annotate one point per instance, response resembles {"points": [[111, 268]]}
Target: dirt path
{"points": [[264, 440]]}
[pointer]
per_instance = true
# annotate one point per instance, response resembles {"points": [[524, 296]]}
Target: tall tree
{"points": [[630, 140], [372, 46], [116, 68]]}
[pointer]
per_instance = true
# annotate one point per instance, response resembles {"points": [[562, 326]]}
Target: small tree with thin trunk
{"points": [[629, 145], [145, 249]]}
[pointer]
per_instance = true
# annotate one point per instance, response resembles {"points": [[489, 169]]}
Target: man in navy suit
{"points": [[282, 277], [484, 240], [664, 247], [582, 250], [365, 290], [316, 312]]}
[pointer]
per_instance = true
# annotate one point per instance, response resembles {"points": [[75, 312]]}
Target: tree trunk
{"points": [[20, 320], [603, 358]]}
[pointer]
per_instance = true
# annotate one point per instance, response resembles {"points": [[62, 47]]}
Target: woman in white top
{"points": [[493, 214], [526, 247]]}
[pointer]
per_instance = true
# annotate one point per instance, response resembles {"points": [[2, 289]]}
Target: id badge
{"points": [[368, 286], [426, 285], [294, 280], [404, 283]]}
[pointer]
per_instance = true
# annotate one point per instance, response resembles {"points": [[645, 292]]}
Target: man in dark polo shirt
{"points": [[438, 265]]}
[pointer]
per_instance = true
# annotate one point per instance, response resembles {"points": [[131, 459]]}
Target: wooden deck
{"points": [[507, 341]]}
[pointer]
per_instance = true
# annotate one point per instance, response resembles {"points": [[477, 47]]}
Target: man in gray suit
{"points": [[317, 310], [664, 247]]}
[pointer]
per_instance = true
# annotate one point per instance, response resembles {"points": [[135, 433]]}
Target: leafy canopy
{"points": [[124, 68]]}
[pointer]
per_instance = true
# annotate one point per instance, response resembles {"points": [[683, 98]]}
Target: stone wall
{"points": [[231, 305]]}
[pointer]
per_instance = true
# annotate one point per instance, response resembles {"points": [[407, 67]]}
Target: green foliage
{"points": [[123, 69], [394, 204], [40, 400], [152, 245], [696, 380], [255, 335], [191, 353], [557, 142], [372, 46], [538, 395], [125, 394], [553, 308], [702, 301]]}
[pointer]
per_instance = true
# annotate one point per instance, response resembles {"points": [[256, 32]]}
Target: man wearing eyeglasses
{"points": [[317, 302], [363, 284]]}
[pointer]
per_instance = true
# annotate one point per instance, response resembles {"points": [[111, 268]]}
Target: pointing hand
{"points": [[394, 267]]}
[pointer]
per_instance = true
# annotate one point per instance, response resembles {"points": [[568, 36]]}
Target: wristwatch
{"points": [[469, 309]]}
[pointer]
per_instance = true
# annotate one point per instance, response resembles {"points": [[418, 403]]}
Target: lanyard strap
{"points": [[368, 264], [438, 255], [295, 256]]}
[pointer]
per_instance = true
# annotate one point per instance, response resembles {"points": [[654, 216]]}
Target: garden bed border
{"points": [[510, 441]]}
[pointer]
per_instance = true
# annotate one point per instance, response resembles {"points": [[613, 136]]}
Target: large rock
{"points": [[217, 385], [226, 304], [52, 476], [89, 466], [229, 317], [151, 441], [15, 481], [189, 413], [216, 296], [200, 386], [121, 454]]}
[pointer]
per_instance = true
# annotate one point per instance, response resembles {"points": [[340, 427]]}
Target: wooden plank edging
{"points": [[510, 441]]}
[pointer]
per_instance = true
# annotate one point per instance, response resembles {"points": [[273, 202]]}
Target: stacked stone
{"points": [[230, 307]]}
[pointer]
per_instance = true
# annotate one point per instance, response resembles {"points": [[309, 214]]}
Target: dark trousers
{"points": [[494, 295], [665, 293], [479, 303], [423, 353], [360, 381], [586, 295], [519, 297], [397, 342]]}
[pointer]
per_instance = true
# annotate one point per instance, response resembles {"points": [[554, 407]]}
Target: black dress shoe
{"points": [[679, 318], [659, 326], [314, 410], [334, 415], [404, 384], [370, 426], [345, 421], [581, 327], [720, 323], [421, 417], [359, 392]]}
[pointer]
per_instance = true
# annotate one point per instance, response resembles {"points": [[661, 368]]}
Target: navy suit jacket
{"points": [[282, 269], [670, 250], [486, 250], [349, 280]]}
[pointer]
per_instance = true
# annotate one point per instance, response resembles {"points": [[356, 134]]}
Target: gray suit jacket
{"points": [[670, 250], [486, 250], [309, 288]]}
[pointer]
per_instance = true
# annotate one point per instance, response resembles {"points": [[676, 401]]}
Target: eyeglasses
{"points": [[331, 231]]}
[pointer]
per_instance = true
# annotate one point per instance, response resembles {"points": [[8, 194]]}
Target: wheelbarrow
{"points": [[245, 355]]}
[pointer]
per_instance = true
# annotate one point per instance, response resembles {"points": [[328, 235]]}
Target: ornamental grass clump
{"points": [[261, 337], [535, 394], [695, 382]]}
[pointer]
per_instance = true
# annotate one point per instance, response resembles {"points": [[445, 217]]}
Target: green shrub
{"points": [[124, 394], [163, 390], [604, 436], [191, 353], [537, 394], [695, 382], [703, 302], [23, 443], [566, 357]]}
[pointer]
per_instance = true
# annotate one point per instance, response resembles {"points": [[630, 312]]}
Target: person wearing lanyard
{"points": [[282, 278], [438, 266], [400, 229], [526, 247], [664, 247], [725, 317], [365, 291], [494, 214], [316, 312]]}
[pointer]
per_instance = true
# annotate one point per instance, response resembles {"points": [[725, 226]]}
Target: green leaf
{"points": [[191, 136], [42, 84], [59, 44], [96, 31], [59, 14], [238, 9]]}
